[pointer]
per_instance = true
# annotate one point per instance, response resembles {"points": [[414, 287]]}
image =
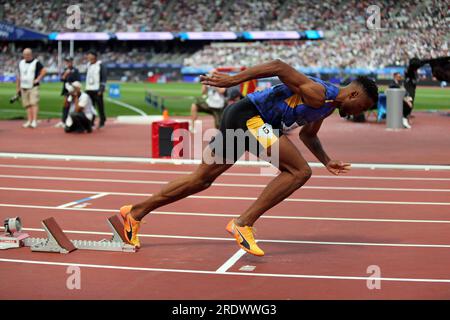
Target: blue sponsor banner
{"points": [[12, 78], [79, 36], [213, 35], [114, 90], [125, 65], [314, 34], [113, 65], [10, 32], [8, 78], [144, 36], [195, 70], [191, 78], [310, 70], [271, 35], [316, 70], [390, 70], [359, 71]]}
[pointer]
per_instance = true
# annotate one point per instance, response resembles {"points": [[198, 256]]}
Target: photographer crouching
{"points": [[81, 111]]}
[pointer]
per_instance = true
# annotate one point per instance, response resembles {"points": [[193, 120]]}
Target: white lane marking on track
{"points": [[67, 157], [231, 262], [274, 275], [314, 200], [239, 174], [72, 203], [163, 182], [128, 106], [337, 243], [247, 268], [206, 214]]}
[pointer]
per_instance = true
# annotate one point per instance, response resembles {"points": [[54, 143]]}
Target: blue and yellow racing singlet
{"points": [[278, 105]]}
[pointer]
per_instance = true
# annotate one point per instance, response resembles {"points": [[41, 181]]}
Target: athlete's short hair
{"points": [[369, 86]]}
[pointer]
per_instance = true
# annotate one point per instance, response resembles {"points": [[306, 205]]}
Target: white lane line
{"points": [[206, 214], [95, 196], [238, 185], [45, 156], [245, 274], [380, 178], [381, 202], [69, 204], [230, 262], [176, 213], [238, 174], [128, 106], [375, 189], [308, 242]]}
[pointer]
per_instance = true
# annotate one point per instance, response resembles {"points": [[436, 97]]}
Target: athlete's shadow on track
{"points": [[183, 244], [274, 249], [278, 249]]}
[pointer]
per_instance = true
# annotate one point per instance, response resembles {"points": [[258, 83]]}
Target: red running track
{"points": [[319, 243]]}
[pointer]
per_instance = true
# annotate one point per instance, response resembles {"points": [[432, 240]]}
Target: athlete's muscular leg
{"points": [[295, 171], [182, 187]]}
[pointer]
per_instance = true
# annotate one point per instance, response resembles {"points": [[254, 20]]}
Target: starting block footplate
{"points": [[58, 242]]}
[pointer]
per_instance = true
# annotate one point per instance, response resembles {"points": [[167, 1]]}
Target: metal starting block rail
{"points": [[57, 241]]}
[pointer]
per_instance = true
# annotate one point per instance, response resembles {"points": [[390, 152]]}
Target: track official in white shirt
{"points": [[95, 84], [30, 73]]}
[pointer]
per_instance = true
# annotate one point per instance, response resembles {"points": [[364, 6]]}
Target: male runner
{"points": [[300, 100]]}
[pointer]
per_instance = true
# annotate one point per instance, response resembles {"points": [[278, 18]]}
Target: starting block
{"points": [[12, 237], [57, 241]]}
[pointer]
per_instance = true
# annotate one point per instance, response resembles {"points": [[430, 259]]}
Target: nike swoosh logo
{"points": [[130, 233], [244, 242]]}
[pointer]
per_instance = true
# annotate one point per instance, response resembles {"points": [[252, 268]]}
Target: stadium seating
{"points": [[415, 28], [363, 49], [222, 15]]}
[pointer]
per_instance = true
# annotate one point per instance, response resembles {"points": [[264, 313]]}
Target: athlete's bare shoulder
{"points": [[313, 94]]}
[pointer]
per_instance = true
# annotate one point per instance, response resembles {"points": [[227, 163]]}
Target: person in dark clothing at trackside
{"points": [[69, 75], [96, 83]]}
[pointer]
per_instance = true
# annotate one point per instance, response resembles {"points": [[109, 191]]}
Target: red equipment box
{"points": [[162, 144]]}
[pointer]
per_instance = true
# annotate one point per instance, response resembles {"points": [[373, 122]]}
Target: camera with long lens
{"points": [[14, 98]]}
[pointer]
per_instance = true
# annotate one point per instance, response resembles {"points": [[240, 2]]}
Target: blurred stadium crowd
{"points": [[223, 15], [413, 28], [8, 62], [365, 49]]}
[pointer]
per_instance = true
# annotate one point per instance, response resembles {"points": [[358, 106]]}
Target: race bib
{"points": [[263, 132]]}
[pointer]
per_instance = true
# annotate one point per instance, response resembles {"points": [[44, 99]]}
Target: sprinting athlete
{"points": [[299, 100]]}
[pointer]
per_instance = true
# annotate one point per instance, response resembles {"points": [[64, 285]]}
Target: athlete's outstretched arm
{"points": [[312, 93], [308, 135]]}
